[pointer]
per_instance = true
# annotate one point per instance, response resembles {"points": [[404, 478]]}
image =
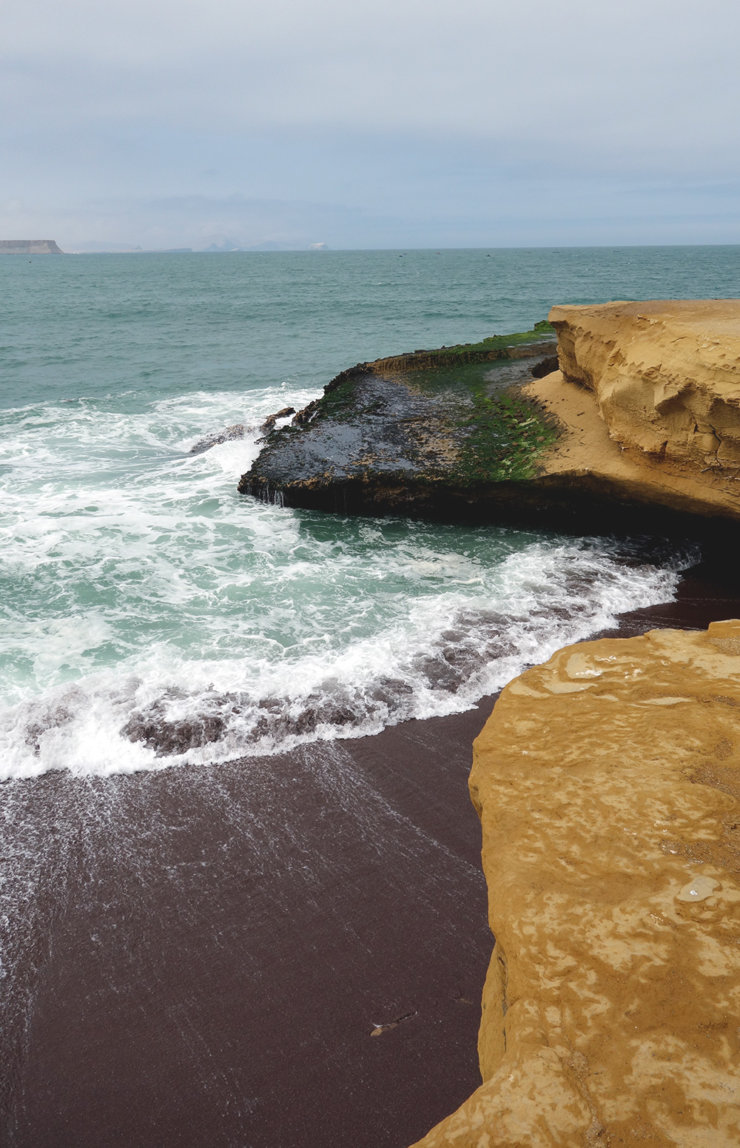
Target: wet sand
{"points": [[280, 952], [213, 949]]}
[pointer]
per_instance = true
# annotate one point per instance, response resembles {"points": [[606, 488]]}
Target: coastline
{"points": [[213, 947]]}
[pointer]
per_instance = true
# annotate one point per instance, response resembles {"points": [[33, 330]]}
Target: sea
{"points": [[153, 617]]}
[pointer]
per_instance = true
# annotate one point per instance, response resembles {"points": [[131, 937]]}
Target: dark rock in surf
{"points": [[270, 421], [237, 430], [615, 442], [171, 736], [422, 433]]}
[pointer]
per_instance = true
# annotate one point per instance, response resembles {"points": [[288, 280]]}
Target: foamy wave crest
{"points": [[432, 655], [150, 616]]}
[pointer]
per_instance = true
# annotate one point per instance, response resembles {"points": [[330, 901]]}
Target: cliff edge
{"points": [[607, 782]]}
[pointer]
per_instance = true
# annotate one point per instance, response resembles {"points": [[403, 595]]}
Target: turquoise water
{"points": [[150, 615], [127, 327]]}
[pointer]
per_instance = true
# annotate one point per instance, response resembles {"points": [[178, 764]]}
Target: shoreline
{"points": [[279, 951]]}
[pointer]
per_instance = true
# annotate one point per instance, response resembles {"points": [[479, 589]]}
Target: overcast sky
{"points": [[370, 123]]}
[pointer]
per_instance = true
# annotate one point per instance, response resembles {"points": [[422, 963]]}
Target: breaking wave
{"points": [[154, 617]]}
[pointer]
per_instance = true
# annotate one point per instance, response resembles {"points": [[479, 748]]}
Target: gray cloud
{"points": [[371, 121]]}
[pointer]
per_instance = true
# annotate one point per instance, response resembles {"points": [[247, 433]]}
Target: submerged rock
{"points": [[168, 734], [237, 430], [607, 782]]}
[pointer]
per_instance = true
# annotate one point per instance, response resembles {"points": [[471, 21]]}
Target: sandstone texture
{"points": [[648, 400], [666, 375], [607, 782]]}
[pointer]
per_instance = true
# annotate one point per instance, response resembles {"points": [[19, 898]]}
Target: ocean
{"points": [[152, 616], [198, 954]]}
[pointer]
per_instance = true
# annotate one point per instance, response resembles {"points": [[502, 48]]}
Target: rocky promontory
{"points": [[606, 780], [607, 783], [639, 428], [29, 247], [437, 434]]}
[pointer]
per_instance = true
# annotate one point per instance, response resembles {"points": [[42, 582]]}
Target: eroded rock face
{"points": [[607, 782], [666, 375], [648, 405]]}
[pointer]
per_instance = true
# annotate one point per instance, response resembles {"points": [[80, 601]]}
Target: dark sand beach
{"points": [[283, 952]]}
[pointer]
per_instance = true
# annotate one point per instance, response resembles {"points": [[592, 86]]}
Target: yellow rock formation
{"points": [[607, 785], [649, 395]]}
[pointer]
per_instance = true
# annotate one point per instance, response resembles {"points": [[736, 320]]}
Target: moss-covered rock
{"points": [[492, 431], [426, 432]]}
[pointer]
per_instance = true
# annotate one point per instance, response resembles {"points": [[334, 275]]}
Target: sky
{"points": [[369, 123]]}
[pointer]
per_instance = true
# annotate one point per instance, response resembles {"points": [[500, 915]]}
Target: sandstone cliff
{"points": [[666, 375], [607, 782], [649, 403]]}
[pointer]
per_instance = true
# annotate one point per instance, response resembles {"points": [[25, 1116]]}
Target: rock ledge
{"points": [[607, 781]]}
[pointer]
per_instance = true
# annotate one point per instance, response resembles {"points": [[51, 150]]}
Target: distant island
{"points": [[29, 247]]}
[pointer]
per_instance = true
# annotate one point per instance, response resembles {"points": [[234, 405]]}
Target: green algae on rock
{"points": [[430, 432], [637, 432]]}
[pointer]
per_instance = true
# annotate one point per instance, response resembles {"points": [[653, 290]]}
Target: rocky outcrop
{"points": [[607, 782], [431, 433], [666, 376], [638, 430], [648, 402], [228, 434], [29, 247]]}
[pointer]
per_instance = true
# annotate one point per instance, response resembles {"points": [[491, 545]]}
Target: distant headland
{"points": [[29, 247]]}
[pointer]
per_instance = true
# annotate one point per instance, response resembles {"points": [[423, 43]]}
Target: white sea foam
{"points": [[433, 655], [153, 616]]}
